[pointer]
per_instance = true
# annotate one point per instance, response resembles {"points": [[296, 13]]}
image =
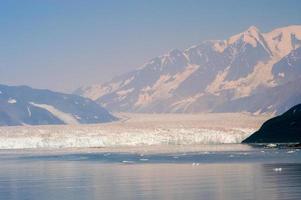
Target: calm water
{"points": [[249, 173]]}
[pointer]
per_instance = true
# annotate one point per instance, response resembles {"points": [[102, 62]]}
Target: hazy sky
{"points": [[63, 44]]}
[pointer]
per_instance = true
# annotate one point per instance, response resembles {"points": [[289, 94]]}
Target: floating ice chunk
{"points": [[277, 169], [127, 162], [271, 145], [12, 101], [77, 117], [143, 159], [290, 152]]}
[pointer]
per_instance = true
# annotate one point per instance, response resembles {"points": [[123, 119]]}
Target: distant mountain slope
{"points": [[206, 76], [21, 105], [288, 68], [285, 128], [272, 100]]}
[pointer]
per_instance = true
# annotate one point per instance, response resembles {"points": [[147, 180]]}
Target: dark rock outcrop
{"points": [[285, 128]]}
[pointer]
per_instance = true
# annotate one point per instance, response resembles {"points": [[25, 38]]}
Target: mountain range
{"points": [[249, 72], [22, 105]]}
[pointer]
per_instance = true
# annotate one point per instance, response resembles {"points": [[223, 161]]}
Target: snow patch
{"points": [[126, 82], [250, 36], [96, 91], [258, 112], [279, 40], [164, 86], [261, 76], [123, 93], [65, 117], [281, 74], [185, 103], [215, 86], [219, 46]]}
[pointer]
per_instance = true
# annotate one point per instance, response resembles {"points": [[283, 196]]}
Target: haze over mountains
{"points": [[251, 71], [23, 105]]}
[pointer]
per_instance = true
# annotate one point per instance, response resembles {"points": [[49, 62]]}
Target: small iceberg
{"points": [[127, 162], [277, 169], [271, 145]]}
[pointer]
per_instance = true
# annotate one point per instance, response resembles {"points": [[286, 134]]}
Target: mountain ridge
{"points": [[203, 76], [23, 105]]}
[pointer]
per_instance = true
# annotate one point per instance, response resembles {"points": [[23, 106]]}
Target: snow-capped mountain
{"points": [[207, 76], [22, 105], [287, 78]]}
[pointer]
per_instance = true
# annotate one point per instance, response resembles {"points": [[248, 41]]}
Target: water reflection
{"points": [[92, 180]]}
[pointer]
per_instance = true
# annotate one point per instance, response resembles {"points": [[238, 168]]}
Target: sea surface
{"points": [[212, 172]]}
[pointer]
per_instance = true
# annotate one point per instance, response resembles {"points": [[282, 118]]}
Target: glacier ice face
{"points": [[136, 130], [80, 137]]}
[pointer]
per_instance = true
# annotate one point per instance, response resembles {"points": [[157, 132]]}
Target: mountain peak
{"points": [[252, 29], [174, 52], [251, 36], [283, 40]]}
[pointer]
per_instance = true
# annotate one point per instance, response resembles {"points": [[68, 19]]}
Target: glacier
{"points": [[68, 137], [135, 130]]}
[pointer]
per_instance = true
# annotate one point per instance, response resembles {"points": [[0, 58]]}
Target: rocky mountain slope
{"points": [[209, 76], [26, 106], [272, 100], [285, 128]]}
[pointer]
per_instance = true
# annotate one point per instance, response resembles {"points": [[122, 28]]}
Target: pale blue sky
{"points": [[63, 44]]}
